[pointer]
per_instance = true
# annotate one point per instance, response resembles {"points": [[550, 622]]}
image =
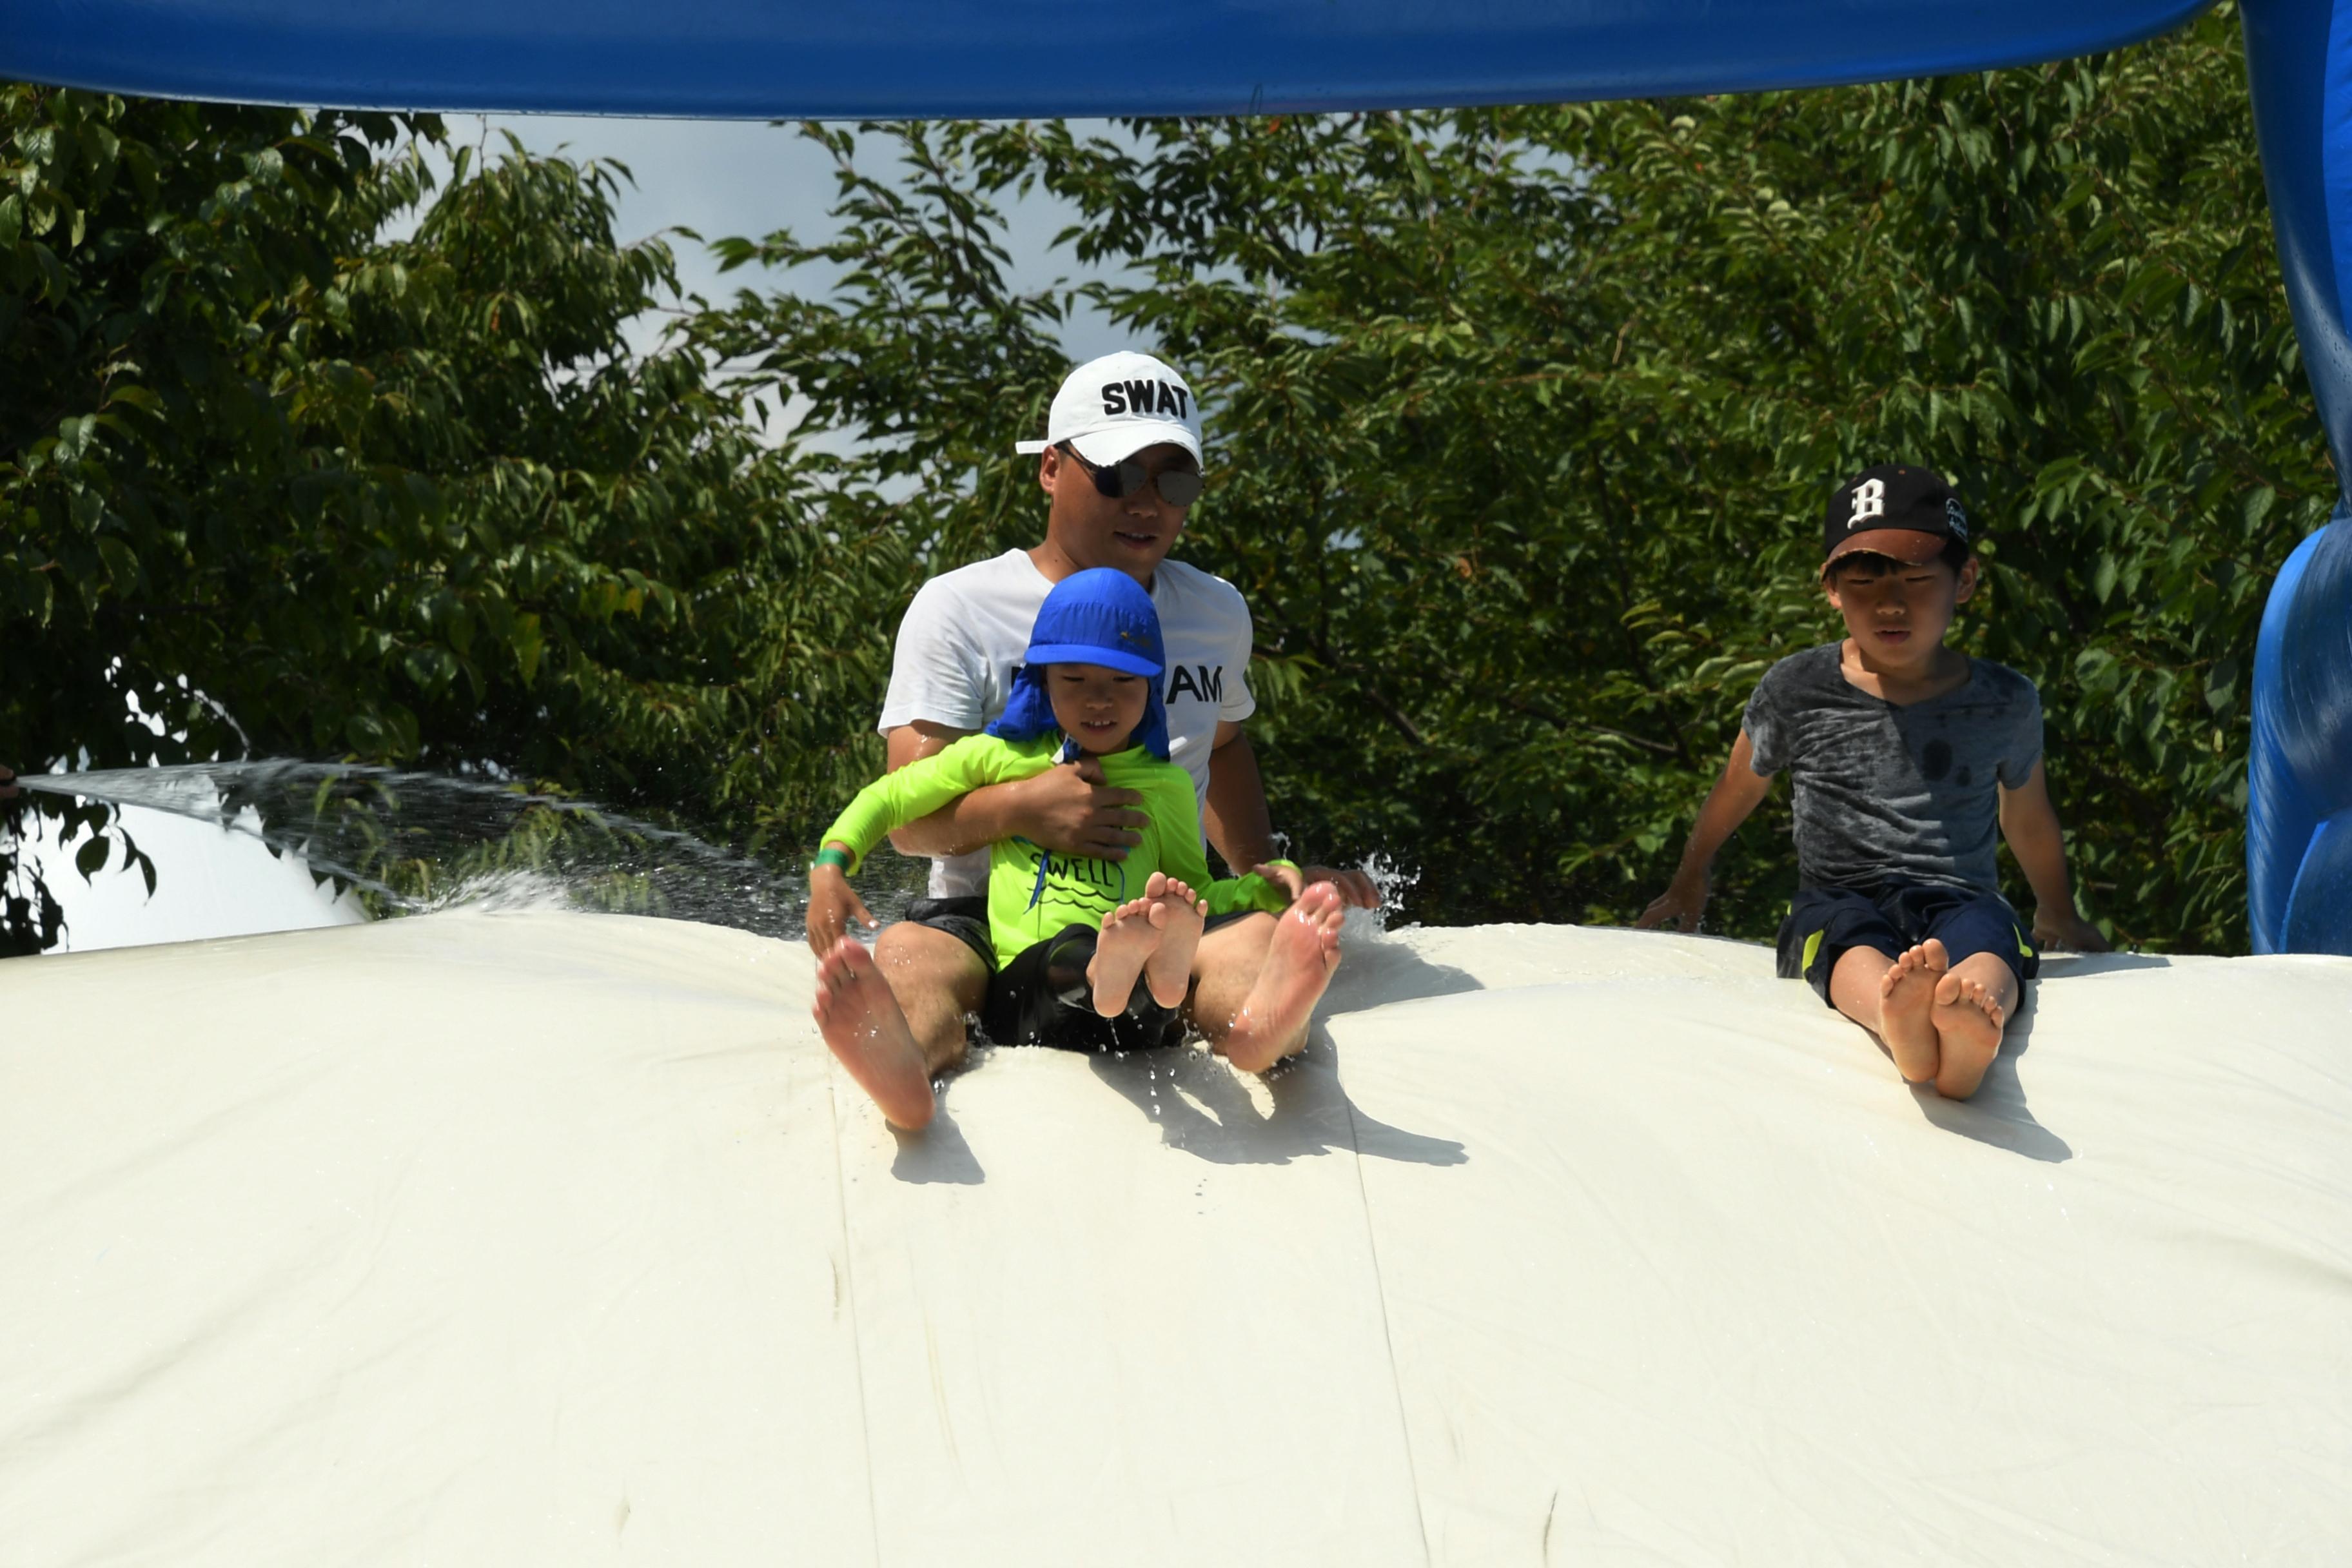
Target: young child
{"points": [[1904, 753], [1072, 936]]}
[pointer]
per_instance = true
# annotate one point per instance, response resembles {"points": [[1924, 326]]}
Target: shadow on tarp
{"points": [[937, 1156], [1997, 1113], [1202, 1106], [1376, 970]]}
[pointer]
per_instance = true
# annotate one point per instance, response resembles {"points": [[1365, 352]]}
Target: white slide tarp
{"points": [[520, 1239]]}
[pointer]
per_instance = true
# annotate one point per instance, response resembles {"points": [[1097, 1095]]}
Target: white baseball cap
{"points": [[1113, 408]]}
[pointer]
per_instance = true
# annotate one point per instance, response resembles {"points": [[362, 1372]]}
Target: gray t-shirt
{"points": [[1894, 794]]}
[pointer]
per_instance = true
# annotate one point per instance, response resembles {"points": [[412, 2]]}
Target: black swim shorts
{"points": [[1823, 923], [1042, 998], [966, 920]]}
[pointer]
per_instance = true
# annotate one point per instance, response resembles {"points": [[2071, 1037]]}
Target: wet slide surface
{"points": [[558, 1238]]}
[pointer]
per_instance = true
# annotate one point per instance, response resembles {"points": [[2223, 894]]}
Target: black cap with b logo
{"points": [[1896, 510]]}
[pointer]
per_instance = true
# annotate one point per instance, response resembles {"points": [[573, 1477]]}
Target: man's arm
{"points": [[2029, 823], [1064, 809], [1734, 799], [1241, 830]]}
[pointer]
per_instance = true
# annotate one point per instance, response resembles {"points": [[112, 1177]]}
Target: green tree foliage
{"points": [[1523, 422], [312, 458]]}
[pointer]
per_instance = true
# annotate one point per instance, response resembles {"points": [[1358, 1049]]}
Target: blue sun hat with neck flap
{"points": [[1096, 616]]}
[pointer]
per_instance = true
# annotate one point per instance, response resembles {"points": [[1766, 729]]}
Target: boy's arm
{"points": [[1181, 858], [2029, 823], [914, 791], [1734, 796]]}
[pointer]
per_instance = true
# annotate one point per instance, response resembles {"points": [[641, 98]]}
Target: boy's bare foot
{"points": [[1128, 938], [1969, 1015], [1272, 1022], [1176, 910], [1907, 999], [860, 1020]]}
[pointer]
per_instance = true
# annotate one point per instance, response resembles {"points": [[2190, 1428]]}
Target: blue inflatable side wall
{"points": [[2299, 783]]}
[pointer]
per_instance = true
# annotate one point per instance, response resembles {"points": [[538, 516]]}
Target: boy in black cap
{"points": [[1904, 753]]}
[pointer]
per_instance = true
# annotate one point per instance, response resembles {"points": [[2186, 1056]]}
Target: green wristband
{"points": [[832, 855]]}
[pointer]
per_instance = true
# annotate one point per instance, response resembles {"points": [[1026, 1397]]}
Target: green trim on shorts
{"points": [[1813, 950]]}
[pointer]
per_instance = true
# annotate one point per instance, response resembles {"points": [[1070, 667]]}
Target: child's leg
{"points": [[1991, 959], [1842, 943], [1892, 997], [861, 1022], [1176, 910], [1129, 938], [1974, 1003], [1907, 1004]]}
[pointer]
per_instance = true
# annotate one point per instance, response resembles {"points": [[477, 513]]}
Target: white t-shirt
{"points": [[963, 638]]}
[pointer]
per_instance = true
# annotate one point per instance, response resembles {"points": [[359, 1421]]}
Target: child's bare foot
{"points": [[1128, 938], [1176, 910], [1907, 998], [860, 1020], [1969, 1015], [1272, 1022]]}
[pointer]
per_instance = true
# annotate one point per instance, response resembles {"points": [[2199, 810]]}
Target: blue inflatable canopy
{"points": [[934, 58]]}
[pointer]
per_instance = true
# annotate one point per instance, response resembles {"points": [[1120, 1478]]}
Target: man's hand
{"points": [[1069, 810], [7, 782], [1356, 890], [833, 903], [2065, 929], [1684, 899]]}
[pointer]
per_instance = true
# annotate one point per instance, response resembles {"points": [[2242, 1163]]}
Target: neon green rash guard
{"points": [[1078, 891]]}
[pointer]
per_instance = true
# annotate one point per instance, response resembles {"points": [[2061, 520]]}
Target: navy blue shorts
{"points": [[1825, 922]]}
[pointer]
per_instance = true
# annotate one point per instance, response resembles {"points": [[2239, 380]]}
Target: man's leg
{"points": [[937, 979], [1256, 981], [895, 1023]]}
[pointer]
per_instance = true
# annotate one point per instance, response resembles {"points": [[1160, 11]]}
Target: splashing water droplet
{"points": [[412, 843]]}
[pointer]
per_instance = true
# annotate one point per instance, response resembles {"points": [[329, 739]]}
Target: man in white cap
{"points": [[1120, 464]]}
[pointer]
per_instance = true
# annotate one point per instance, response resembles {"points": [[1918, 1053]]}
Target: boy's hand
{"points": [[2068, 930], [1684, 899], [1287, 877], [833, 903], [7, 782]]}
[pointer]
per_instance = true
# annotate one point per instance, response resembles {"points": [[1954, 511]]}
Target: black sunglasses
{"points": [[1179, 487]]}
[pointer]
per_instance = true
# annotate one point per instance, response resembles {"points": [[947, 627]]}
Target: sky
{"points": [[716, 177], [747, 178]]}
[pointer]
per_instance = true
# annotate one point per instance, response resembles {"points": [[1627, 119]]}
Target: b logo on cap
{"points": [[1957, 519], [1869, 501]]}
